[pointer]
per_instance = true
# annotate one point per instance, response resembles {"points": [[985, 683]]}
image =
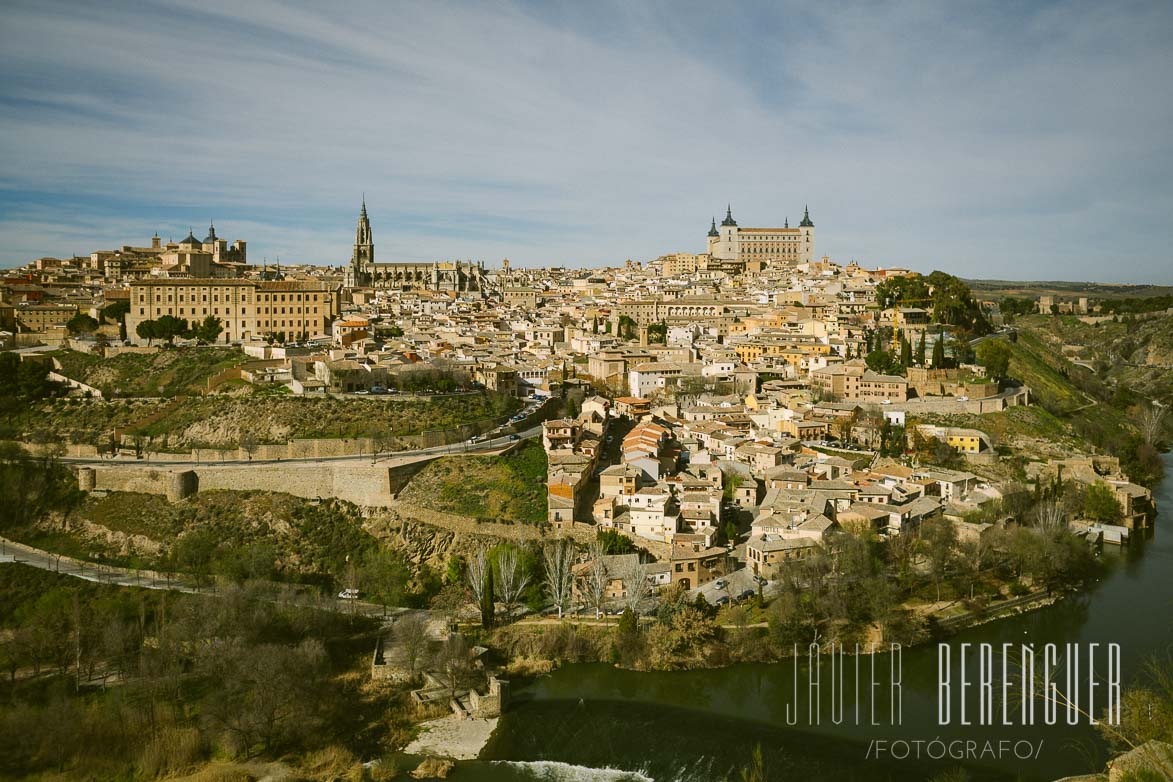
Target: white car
{"points": [[348, 594]]}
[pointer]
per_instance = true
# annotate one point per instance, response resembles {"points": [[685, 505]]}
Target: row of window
{"points": [[243, 312]]}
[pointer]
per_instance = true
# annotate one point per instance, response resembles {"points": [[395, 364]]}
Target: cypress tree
{"points": [[487, 599], [939, 352], [905, 351], [920, 349]]}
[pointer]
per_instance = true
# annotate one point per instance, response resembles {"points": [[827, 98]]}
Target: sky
{"points": [[989, 140]]}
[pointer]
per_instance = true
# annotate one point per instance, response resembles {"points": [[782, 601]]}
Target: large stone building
{"points": [[248, 309], [190, 257], [761, 248], [364, 272]]}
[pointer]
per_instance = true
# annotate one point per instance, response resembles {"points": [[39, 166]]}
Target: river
{"points": [[595, 722]]}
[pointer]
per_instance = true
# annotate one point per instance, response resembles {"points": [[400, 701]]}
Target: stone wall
{"points": [[174, 484], [360, 482]]}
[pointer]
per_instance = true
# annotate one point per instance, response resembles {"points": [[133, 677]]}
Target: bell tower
{"points": [[363, 257]]}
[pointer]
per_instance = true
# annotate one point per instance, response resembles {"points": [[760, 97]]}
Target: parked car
{"points": [[746, 594], [378, 390], [362, 391], [348, 594], [722, 600], [513, 437], [721, 583]]}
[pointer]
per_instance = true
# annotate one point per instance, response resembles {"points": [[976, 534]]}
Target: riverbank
{"points": [[452, 737]]}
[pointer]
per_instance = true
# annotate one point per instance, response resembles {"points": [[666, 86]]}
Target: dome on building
{"points": [[190, 239], [211, 233]]}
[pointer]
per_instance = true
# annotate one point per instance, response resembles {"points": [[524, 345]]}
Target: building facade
{"points": [[761, 247], [449, 276], [190, 257], [248, 309]]}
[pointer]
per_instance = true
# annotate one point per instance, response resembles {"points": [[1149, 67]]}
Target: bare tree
{"points": [[1050, 516], [511, 577], [248, 441], [594, 580], [453, 662], [635, 582], [1152, 423], [475, 573], [558, 556], [411, 638]]}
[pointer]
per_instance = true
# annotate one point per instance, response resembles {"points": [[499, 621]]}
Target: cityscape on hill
{"points": [[735, 505]]}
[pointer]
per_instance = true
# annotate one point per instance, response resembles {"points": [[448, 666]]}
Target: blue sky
{"points": [[1021, 141]]}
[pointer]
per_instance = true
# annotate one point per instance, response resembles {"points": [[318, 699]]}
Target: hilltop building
{"points": [[189, 257], [447, 276], [755, 249]]}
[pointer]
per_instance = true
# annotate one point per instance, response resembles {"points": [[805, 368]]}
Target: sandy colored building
{"points": [[765, 247], [248, 309]]}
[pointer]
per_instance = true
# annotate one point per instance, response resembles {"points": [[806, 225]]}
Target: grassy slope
{"points": [[177, 372], [221, 421], [307, 538], [1046, 373], [1137, 353], [504, 488]]}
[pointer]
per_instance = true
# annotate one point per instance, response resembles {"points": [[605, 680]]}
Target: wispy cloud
{"points": [[985, 140]]}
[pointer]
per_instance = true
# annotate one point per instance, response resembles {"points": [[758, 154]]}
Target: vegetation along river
{"points": [[596, 722]]}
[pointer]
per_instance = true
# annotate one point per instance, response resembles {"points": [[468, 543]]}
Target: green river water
{"points": [[600, 724]]}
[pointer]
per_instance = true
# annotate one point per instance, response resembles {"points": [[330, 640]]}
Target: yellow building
{"points": [[248, 309]]}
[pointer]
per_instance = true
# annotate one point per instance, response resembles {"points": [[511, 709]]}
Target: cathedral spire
{"points": [[806, 218], [729, 221], [713, 228], [364, 242]]}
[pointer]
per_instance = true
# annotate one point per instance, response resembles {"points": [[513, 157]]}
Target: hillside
{"points": [[1093, 406], [1135, 351], [220, 421], [1047, 374], [167, 373], [299, 538], [501, 488], [1036, 288]]}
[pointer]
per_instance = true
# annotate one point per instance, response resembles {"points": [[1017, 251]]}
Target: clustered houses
{"points": [[683, 472], [719, 373]]}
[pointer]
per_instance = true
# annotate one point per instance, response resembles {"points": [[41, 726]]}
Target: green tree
{"points": [[920, 349], [148, 330], [209, 329], [882, 361], [614, 542], [116, 311], [1100, 504], [905, 351], [939, 351], [169, 327], [385, 574], [454, 572], [907, 289], [194, 553], [81, 323], [994, 355]]}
